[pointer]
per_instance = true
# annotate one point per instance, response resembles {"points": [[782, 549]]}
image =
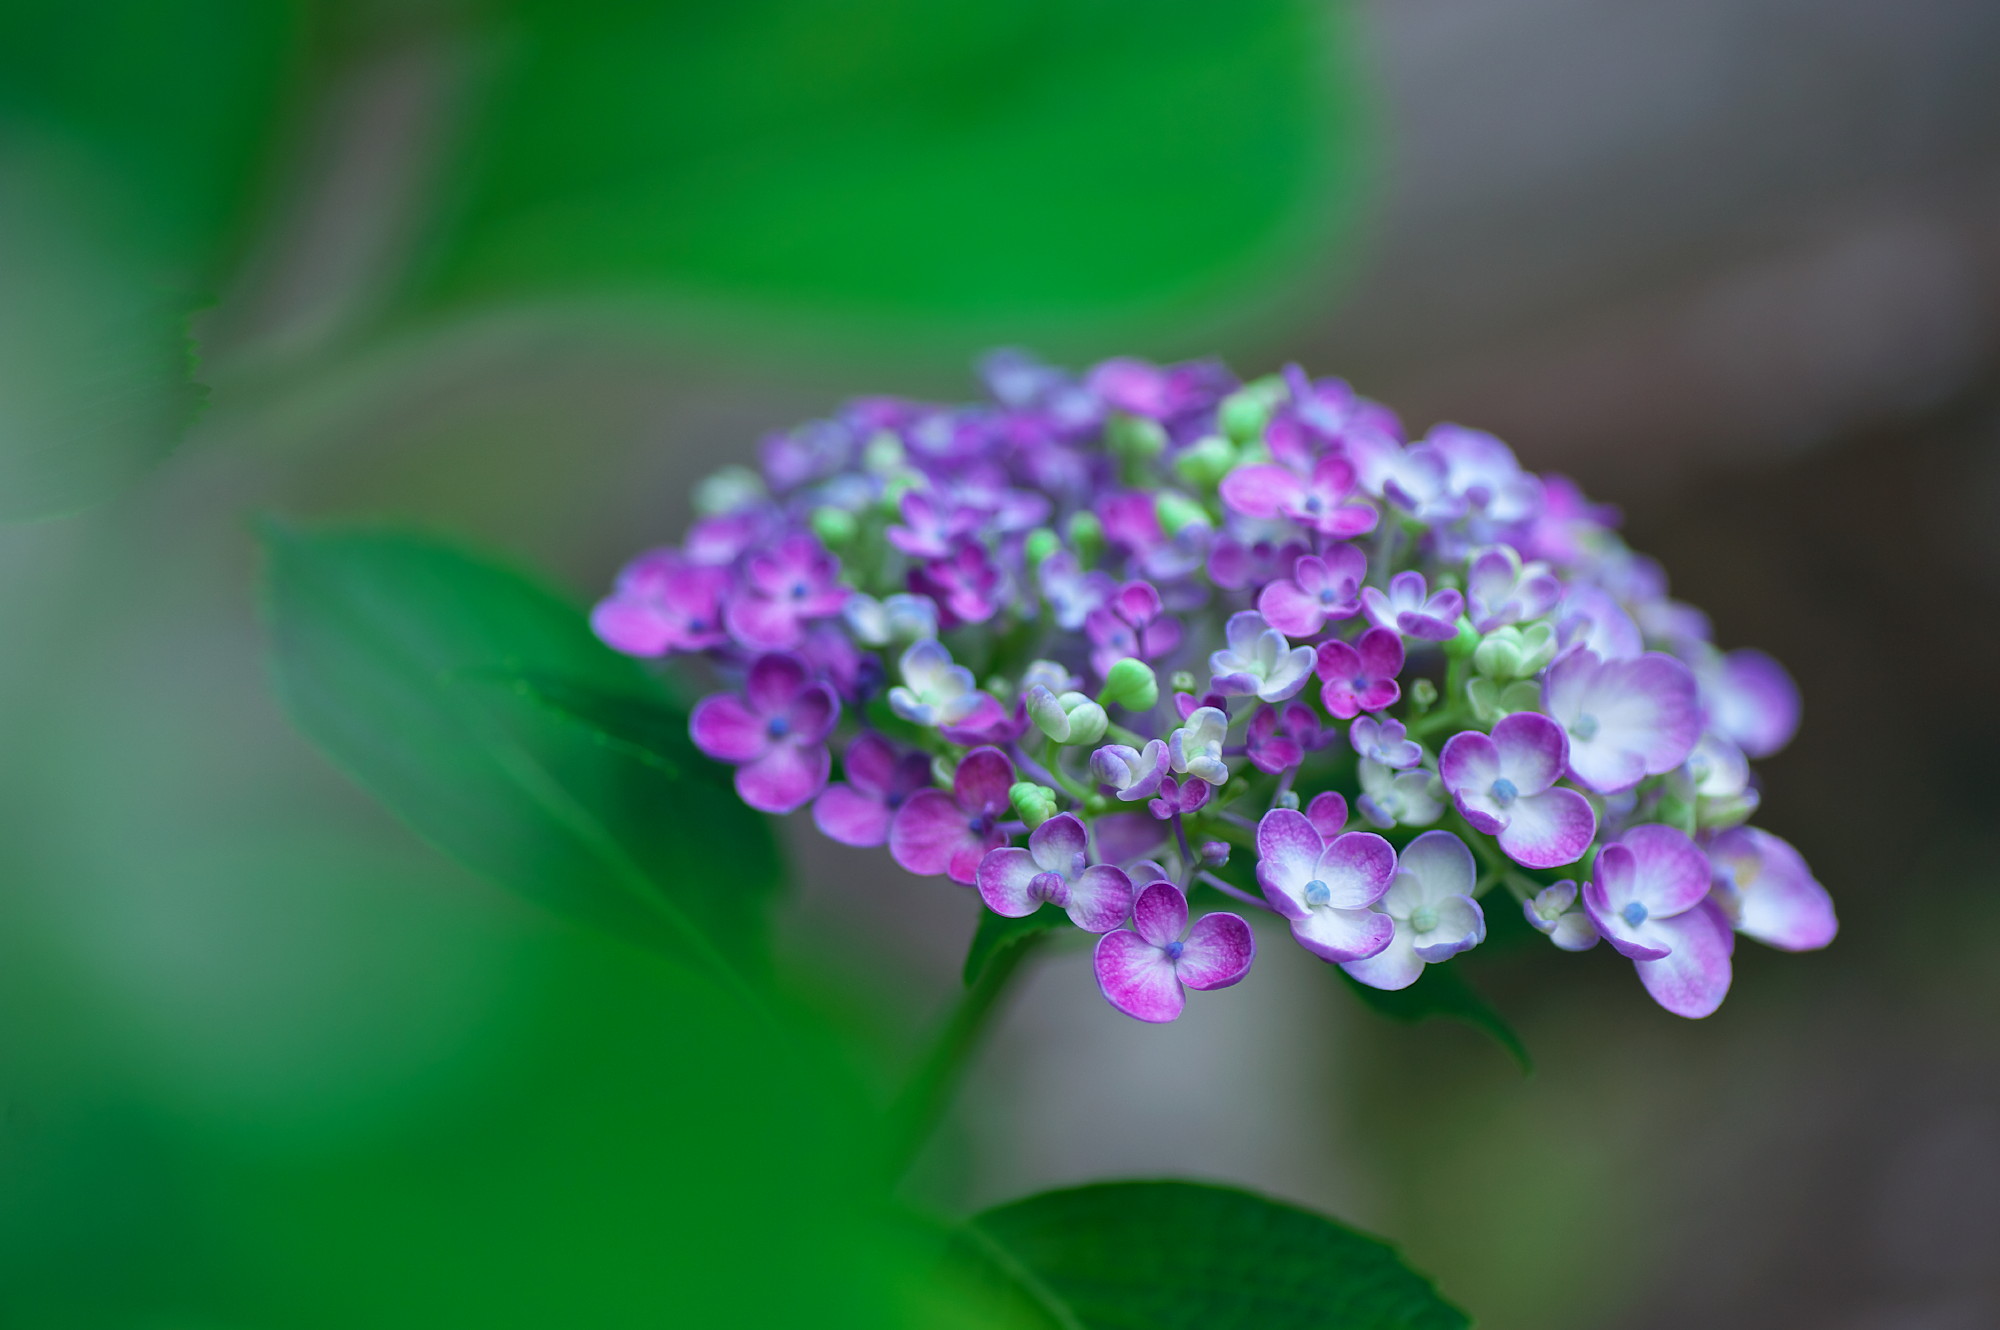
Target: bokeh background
{"points": [[521, 271]]}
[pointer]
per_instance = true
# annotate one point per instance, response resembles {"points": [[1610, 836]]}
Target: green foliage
{"points": [[132, 140], [1174, 1255], [480, 709], [1012, 166], [1442, 991], [997, 933]]}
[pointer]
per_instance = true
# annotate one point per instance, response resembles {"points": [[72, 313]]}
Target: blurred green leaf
{"points": [[1011, 164], [1442, 991], [997, 933], [1168, 1255], [133, 137], [387, 649]]}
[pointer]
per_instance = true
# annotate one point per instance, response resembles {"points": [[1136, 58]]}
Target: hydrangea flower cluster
{"points": [[1115, 643]]}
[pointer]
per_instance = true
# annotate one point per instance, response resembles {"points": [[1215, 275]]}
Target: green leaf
{"points": [[997, 934], [395, 653], [133, 137], [1012, 164], [1442, 991], [1178, 1256]]}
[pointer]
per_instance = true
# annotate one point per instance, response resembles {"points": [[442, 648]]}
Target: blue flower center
{"points": [[1174, 950], [1423, 918], [1505, 791], [1584, 727], [1634, 913], [697, 625], [1314, 503], [778, 727], [1318, 893], [1326, 596], [981, 825]]}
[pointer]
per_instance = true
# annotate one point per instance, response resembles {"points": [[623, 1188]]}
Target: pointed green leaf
{"points": [[1442, 991], [997, 933]]}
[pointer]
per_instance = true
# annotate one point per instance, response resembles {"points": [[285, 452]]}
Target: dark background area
{"points": [[1732, 264]]}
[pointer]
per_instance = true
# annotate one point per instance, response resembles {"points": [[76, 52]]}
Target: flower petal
{"points": [[1670, 872], [1438, 865], [1288, 850], [722, 726], [1056, 843], [1532, 749], [1549, 829], [1692, 979], [1290, 610], [1461, 926], [1344, 935], [775, 678], [1137, 978], [983, 781], [1470, 762], [1357, 869], [1005, 879], [1328, 813], [1261, 490], [1160, 913], [813, 713], [870, 763], [926, 832], [1395, 966], [1219, 950], [1100, 897], [851, 816], [1776, 899], [785, 777]]}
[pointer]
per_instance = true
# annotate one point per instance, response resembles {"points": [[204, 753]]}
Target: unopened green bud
{"points": [[1051, 717], [1086, 537], [1041, 543], [898, 483], [1423, 695], [727, 490], [1466, 642], [1177, 511], [1087, 721], [1515, 653], [834, 526], [1181, 681], [1134, 437], [882, 453], [1245, 412], [1130, 684], [1493, 701], [1286, 799], [1035, 803], [1205, 462]]}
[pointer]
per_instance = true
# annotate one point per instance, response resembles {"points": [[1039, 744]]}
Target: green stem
{"points": [[915, 1113]]}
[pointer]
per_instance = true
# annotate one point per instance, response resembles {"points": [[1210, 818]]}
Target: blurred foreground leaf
{"points": [[392, 651], [1178, 1256], [997, 934], [983, 162], [132, 141], [1442, 991]]}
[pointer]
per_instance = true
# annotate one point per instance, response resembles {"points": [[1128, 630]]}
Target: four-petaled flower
{"points": [[1384, 741], [1321, 587], [783, 587], [775, 732], [1626, 719], [1056, 867], [936, 832], [1549, 910], [1648, 896], [1277, 740], [856, 811], [1500, 589], [1195, 749], [1392, 798], [1143, 971], [1361, 677], [1323, 501], [1130, 624], [966, 585], [1323, 882], [1180, 796], [1432, 905], [1765, 889], [1412, 609], [934, 691], [1505, 785], [1258, 661], [664, 603], [1131, 773]]}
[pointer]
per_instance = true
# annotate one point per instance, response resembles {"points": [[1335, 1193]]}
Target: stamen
{"points": [[1634, 913], [1584, 727], [1318, 893], [1505, 791]]}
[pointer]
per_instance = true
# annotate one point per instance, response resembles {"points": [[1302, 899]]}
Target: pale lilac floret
{"points": [[775, 732], [1251, 553], [857, 811], [1056, 868], [932, 524], [1409, 607], [1180, 796], [1321, 587], [1625, 719], [1323, 501], [1195, 749], [664, 603], [1131, 773], [784, 588], [939, 832], [1766, 891], [1415, 479], [1392, 798], [1648, 896], [1130, 624], [898, 618], [1553, 910], [1384, 741], [1749, 698], [1505, 786], [1361, 677], [1258, 662], [1144, 971], [1500, 589], [1483, 470], [1324, 884], [1071, 592], [934, 691], [1591, 618], [1276, 740], [1431, 902]]}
